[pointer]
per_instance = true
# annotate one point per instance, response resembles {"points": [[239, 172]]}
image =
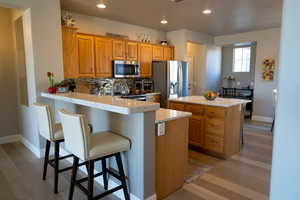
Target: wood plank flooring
{"points": [[242, 177]]}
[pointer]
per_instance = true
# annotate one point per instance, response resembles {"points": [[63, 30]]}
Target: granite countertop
{"points": [[107, 103], [219, 102], [164, 115]]}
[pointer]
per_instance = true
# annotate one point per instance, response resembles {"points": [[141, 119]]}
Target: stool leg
{"points": [[105, 181], [90, 179], [56, 166], [46, 159], [73, 177], [122, 174]]}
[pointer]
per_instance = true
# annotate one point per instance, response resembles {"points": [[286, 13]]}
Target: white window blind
{"points": [[241, 59]]}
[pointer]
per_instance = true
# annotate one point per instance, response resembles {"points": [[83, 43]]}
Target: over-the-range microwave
{"points": [[126, 69]]}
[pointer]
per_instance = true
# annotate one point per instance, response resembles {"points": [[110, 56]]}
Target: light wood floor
{"points": [[244, 176]]}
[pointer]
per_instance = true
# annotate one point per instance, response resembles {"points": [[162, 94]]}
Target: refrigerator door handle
{"points": [[180, 80]]}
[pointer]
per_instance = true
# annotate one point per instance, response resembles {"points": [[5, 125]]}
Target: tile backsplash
{"points": [[94, 84]]}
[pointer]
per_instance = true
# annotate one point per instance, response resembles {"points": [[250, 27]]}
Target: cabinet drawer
{"points": [[176, 106], [212, 112], [214, 127], [214, 143], [195, 109]]}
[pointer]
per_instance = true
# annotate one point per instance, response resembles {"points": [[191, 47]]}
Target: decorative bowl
{"points": [[210, 96]]}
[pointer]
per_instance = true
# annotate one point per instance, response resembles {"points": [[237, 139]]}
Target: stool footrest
{"points": [[86, 178], [107, 192], [114, 174]]}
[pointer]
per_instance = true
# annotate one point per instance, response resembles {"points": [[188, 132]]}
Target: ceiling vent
{"points": [[177, 1]]}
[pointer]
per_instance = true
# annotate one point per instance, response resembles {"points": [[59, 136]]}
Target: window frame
{"points": [[243, 59]]}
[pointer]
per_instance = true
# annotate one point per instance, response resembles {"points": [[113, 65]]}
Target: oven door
{"points": [[126, 69]]}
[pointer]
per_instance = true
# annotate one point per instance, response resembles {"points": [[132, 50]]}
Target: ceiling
{"points": [[229, 16]]}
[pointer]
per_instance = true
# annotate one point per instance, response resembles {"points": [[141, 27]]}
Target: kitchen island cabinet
{"points": [[215, 126], [171, 151]]}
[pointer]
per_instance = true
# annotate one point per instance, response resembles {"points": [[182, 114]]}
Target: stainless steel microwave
{"points": [[126, 69]]}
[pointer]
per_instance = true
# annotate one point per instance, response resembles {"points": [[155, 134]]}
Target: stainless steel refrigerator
{"points": [[170, 78]]}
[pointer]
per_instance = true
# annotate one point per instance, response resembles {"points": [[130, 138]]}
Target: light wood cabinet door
{"points": [[119, 50], [70, 52], [103, 57], [86, 62], [132, 51], [158, 53], [176, 106], [168, 53], [196, 135], [145, 52]]}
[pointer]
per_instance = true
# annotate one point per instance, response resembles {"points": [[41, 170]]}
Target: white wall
{"points": [[42, 32], [285, 178], [267, 47], [180, 38], [8, 86], [100, 26]]}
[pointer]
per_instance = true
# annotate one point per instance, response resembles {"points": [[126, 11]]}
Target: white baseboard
{"points": [[262, 118], [111, 183], [36, 151], [9, 139], [153, 197]]}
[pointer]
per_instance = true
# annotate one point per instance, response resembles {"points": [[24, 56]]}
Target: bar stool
{"points": [[91, 148], [52, 133]]}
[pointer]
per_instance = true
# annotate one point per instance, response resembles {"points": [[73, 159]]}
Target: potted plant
{"points": [[52, 88]]}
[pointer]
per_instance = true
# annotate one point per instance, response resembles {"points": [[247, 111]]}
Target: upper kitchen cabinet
{"points": [[70, 53], [132, 51], [158, 53], [86, 55], [119, 50], [168, 53], [146, 57], [103, 57]]}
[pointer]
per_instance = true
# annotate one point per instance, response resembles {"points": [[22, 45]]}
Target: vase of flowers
{"points": [[52, 88]]}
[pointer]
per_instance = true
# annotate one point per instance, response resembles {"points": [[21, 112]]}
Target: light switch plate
{"points": [[161, 128]]}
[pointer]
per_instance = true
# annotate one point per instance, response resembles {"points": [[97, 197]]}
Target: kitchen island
{"points": [[215, 126], [151, 157]]}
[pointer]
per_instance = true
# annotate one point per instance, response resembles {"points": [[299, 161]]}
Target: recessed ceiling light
{"points": [[207, 11], [101, 5], [164, 21]]}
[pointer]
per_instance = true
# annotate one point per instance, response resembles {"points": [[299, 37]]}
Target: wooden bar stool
{"points": [[52, 133], [91, 148]]}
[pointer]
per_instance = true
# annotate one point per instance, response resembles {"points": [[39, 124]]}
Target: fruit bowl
{"points": [[210, 96]]}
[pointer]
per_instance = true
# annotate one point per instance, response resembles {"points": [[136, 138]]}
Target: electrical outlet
{"points": [[161, 129]]}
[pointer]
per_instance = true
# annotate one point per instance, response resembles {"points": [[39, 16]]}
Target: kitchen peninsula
{"points": [[215, 126], [150, 155]]}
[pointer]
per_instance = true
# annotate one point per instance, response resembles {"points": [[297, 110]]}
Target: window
{"points": [[241, 59]]}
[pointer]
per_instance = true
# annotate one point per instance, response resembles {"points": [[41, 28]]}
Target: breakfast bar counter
{"points": [[108, 103], [134, 120]]}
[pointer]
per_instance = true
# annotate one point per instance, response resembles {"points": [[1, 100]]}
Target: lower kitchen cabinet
{"points": [[214, 130], [171, 157], [196, 135]]}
